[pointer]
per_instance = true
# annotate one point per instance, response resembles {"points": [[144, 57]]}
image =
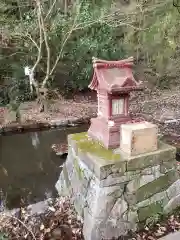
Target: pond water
{"points": [[29, 168]]}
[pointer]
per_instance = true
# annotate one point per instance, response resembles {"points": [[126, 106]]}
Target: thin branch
{"points": [[20, 13], [65, 6], [50, 10], [31, 75], [11, 55], [104, 20], [48, 51], [21, 222], [125, 24], [33, 41], [27, 35], [41, 37], [73, 28], [66, 38]]}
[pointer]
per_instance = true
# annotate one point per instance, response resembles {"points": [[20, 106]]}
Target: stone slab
{"points": [[150, 210], [160, 184], [172, 236], [165, 153], [103, 162], [172, 204], [138, 138], [174, 189]]}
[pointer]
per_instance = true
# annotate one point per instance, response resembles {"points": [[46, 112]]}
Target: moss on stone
{"points": [[165, 153], [158, 185], [79, 136], [78, 170], [149, 211], [87, 145], [79, 206], [66, 178]]}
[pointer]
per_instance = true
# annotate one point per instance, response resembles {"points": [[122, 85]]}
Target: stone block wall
{"points": [[113, 192]]}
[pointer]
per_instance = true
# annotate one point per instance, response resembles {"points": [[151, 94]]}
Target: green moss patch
{"points": [[87, 145], [79, 136], [78, 170], [158, 185], [151, 210]]}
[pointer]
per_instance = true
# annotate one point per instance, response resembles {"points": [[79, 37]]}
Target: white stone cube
{"points": [[138, 138]]}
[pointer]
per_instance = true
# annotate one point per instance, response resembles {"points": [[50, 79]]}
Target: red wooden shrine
{"points": [[113, 81]]}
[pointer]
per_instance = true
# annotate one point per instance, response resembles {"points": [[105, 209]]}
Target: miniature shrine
{"points": [[126, 174], [113, 81]]}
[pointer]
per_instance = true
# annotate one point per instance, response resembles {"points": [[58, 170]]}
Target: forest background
{"points": [[58, 38]]}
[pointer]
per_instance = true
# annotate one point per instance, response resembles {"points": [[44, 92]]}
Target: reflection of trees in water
{"points": [[35, 139], [29, 168], [2, 195], [31, 179], [2, 201]]}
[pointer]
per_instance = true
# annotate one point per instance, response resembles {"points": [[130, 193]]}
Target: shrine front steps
{"points": [[113, 193]]}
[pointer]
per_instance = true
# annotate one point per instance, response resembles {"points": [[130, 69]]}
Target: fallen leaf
{"points": [[52, 209], [42, 227]]}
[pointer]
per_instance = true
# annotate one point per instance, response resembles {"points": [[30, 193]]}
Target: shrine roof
{"points": [[114, 76]]}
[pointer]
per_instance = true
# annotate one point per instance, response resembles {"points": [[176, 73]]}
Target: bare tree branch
{"points": [[50, 10], [11, 55], [75, 27], [40, 36], [48, 52], [33, 41], [21, 222], [67, 37]]}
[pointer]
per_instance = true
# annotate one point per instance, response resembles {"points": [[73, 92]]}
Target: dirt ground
{"points": [[160, 106], [81, 106]]}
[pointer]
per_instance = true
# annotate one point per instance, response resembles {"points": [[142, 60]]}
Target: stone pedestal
{"points": [[113, 192]]}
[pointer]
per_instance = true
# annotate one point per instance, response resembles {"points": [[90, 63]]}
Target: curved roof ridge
{"points": [[97, 62], [114, 76]]}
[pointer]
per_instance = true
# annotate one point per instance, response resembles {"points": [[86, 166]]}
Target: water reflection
{"points": [[29, 168], [35, 139]]}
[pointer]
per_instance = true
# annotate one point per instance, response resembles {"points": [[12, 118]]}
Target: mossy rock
{"points": [[158, 185], [87, 145], [149, 211]]}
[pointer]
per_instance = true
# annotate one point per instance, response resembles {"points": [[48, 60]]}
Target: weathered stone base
{"points": [[112, 192]]}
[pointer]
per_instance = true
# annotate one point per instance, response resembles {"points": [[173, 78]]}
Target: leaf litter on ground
{"points": [[59, 221]]}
